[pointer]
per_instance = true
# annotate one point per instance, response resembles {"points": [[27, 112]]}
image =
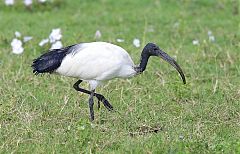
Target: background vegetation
{"points": [[156, 112]]}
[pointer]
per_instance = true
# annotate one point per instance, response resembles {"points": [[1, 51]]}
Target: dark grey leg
{"points": [[99, 96], [91, 103]]}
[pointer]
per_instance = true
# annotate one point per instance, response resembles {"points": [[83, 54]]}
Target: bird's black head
{"points": [[152, 49]]}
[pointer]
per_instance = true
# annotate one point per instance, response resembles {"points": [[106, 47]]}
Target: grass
{"points": [[156, 112]]}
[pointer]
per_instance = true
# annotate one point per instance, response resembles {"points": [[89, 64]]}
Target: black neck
{"points": [[143, 61]]}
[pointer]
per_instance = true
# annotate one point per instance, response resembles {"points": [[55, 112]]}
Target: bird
{"points": [[96, 63]]}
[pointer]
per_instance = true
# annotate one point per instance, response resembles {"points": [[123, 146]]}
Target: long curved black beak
{"points": [[171, 61]]}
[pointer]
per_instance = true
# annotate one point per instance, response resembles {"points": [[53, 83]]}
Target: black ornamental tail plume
{"points": [[50, 61]]}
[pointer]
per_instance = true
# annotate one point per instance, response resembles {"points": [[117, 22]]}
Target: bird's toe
{"points": [[104, 101]]}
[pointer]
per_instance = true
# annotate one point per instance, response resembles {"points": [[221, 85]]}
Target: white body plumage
{"points": [[96, 62]]}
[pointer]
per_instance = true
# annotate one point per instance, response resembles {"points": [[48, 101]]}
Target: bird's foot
{"points": [[104, 101]]}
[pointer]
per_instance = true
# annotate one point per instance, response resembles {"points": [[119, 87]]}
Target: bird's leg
{"points": [[99, 96], [91, 103], [77, 88]]}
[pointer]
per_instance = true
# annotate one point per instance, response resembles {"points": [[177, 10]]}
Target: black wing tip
{"points": [[35, 67], [35, 70], [50, 61]]}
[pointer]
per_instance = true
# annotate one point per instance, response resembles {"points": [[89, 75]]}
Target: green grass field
{"points": [[156, 113]]}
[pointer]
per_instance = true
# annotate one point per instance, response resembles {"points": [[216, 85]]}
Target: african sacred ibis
{"points": [[96, 62]]}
